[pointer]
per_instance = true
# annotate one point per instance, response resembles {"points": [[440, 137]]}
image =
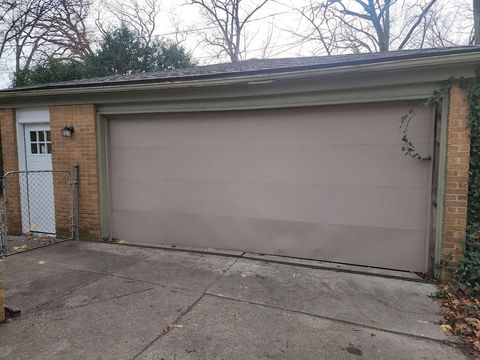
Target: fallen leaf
{"points": [[476, 345], [446, 328], [474, 322]]}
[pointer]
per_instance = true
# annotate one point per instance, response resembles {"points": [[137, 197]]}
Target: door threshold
{"points": [[293, 261]]}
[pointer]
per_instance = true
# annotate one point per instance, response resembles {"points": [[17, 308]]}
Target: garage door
{"points": [[327, 183]]}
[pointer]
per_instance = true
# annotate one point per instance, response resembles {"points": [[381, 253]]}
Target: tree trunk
{"points": [[476, 19]]}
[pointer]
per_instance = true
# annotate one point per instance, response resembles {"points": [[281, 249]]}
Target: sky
{"points": [[278, 18]]}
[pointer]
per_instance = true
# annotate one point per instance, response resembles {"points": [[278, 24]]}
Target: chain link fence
{"points": [[38, 208]]}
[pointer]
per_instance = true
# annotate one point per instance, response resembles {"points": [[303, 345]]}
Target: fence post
{"points": [[76, 202], [3, 221]]}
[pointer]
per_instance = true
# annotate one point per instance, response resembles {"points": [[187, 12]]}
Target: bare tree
{"points": [[139, 15], [6, 24], [367, 25], [228, 19], [18, 17], [322, 26], [476, 21], [35, 30], [444, 25], [180, 30], [68, 26], [29, 32]]}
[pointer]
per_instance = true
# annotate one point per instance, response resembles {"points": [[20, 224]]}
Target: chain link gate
{"points": [[38, 208]]}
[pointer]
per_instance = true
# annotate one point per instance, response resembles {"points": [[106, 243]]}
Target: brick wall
{"points": [[456, 181], [79, 149], [8, 130]]}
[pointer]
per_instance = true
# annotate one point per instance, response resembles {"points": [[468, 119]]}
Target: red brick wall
{"points": [[79, 149], [456, 181], [8, 131]]}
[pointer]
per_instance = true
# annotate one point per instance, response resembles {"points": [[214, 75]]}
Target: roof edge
{"points": [[469, 57]]}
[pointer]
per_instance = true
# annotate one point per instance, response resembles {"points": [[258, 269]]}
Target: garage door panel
{"points": [[352, 205], [347, 164], [391, 248], [141, 195], [141, 227], [327, 183], [276, 127]]}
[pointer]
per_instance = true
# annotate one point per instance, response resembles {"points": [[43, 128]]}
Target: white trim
{"points": [[33, 115], [28, 116]]}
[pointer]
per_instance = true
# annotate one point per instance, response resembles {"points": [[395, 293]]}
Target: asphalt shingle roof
{"points": [[254, 67]]}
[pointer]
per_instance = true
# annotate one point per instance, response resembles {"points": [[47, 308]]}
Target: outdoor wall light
{"points": [[68, 130]]}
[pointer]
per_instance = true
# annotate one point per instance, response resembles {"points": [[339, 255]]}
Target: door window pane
{"points": [[40, 142]]}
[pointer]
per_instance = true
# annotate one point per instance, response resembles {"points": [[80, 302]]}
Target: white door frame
{"points": [[28, 116], [34, 116]]}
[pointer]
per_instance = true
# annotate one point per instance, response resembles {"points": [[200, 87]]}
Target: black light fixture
{"points": [[67, 130]]}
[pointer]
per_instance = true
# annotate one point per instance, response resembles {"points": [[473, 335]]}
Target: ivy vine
{"points": [[408, 147], [468, 272]]}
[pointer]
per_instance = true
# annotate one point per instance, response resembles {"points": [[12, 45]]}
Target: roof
{"points": [[253, 67]]}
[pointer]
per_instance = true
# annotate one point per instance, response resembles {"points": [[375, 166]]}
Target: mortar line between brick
{"points": [[420, 337], [171, 326]]}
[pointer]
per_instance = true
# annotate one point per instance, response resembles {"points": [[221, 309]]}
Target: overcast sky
{"points": [[278, 17]]}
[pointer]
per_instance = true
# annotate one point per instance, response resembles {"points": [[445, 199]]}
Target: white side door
{"points": [[38, 206]]}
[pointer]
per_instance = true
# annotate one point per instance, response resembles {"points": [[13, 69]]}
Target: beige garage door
{"points": [[326, 183]]}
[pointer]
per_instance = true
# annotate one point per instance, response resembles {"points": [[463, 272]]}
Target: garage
{"points": [[328, 183], [293, 157]]}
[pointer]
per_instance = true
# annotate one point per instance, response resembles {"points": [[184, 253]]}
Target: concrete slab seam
{"points": [[455, 344], [171, 326]]}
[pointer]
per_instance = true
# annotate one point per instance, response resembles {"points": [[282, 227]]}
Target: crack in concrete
{"points": [[66, 267], [35, 314], [421, 337], [175, 322], [60, 296]]}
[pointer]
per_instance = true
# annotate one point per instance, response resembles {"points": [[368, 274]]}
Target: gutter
{"points": [[443, 60]]}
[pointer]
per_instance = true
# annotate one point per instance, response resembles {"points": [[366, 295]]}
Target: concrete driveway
{"points": [[101, 301]]}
